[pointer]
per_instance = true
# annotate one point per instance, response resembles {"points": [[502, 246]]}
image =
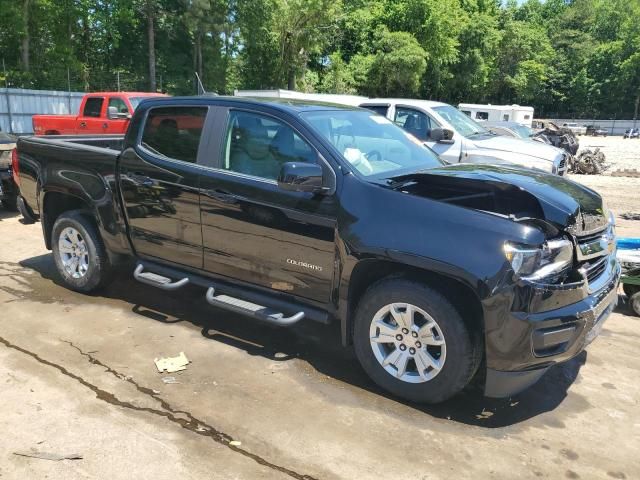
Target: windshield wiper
{"points": [[479, 132]]}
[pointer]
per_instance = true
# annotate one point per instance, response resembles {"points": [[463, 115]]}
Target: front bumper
{"points": [[522, 345]]}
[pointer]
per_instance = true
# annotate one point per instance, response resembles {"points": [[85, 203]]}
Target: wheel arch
{"points": [[369, 271], [55, 204]]}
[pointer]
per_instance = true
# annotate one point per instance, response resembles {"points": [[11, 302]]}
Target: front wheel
{"points": [[412, 342], [79, 253]]}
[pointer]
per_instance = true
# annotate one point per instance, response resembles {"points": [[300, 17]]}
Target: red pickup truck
{"points": [[102, 112]]}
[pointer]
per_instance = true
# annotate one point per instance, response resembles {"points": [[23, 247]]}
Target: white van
{"points": [[498, 113], [457, 138]]}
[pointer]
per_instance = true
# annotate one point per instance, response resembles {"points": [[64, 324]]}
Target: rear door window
{"points": [[379, 109], [174, 132], [93, 107]]}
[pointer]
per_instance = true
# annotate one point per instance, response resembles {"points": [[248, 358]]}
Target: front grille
{"points": [[563, 163], [594, 269], [591, 237], [594, 253]]}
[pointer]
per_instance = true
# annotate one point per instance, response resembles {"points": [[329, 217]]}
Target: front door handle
{"points": [[83, 124], [105, 125]]}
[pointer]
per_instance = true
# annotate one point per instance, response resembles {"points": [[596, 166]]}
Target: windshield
{"points": [[462, 124], [374, 145], [522, 131], [135, 101]]}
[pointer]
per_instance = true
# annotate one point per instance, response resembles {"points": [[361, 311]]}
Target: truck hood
{"points": [[511, 144], [514, 191]]}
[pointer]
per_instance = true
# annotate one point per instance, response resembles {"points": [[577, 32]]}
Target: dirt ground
{"points": [[621, 153], [77, 376], [621, 193]]}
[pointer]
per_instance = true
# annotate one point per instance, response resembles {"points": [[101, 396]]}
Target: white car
{"points": [[459, 139], [575, 128]]}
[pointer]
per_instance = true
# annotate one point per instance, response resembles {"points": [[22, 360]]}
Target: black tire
{"points": [[630, 289], [463, 347], [10, 204], [634, 303], [99, 271]]}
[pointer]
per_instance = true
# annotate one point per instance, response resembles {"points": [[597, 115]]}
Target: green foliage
{"points": [[397, 65], [578, 57]]}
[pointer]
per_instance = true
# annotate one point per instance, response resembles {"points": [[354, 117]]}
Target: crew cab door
{"points": [[92, 116], [158, 178], [254, 231]]}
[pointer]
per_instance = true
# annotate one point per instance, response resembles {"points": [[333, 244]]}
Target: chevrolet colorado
{"points": [[288, 211]]}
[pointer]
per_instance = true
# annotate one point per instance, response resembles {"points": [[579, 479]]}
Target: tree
{"points": [[397, 66], [150, 10]]}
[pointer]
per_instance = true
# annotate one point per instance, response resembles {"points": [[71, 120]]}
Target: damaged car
{"points": [[287, 211]]}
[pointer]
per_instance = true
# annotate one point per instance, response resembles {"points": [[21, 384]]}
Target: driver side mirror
{"points": [[441, 135], [113, 114], [301, 177]]}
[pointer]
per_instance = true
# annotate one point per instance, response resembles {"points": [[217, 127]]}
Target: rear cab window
{"points": [[93, 107], [174, 132]]}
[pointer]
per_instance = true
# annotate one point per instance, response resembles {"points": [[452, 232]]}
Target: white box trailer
{"points": [[353, 100], [498, 113]]}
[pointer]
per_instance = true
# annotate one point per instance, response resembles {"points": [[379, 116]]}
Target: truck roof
{"points": [[291, 105], [405, 101], [128, 94]]}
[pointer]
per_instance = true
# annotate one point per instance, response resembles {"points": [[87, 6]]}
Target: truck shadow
{"points": [[320, 346], [4, 213]]}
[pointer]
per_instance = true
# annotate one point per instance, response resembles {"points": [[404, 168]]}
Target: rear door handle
{"points": [[141, 179], [220, 195], [83, 124]]}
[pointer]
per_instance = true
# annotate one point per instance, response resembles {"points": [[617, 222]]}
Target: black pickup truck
{"points": [[291, 211]]}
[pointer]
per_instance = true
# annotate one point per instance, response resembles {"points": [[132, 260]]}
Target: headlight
{"points": [[537, 263]]}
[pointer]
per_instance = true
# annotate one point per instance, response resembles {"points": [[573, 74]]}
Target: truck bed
{"points": [[107, 142], [92, 157]]}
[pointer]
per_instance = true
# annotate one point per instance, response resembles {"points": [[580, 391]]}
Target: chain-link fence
{"points": [[73, 79]]}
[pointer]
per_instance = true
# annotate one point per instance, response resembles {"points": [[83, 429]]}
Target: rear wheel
{"points": [[412, 342], [79, 253]]}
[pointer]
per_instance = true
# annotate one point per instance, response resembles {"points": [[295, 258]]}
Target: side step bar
{"points": [[228, 302], [251, 309], [156, 280]]}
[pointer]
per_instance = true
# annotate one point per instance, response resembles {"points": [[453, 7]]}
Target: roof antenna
{"points": [[201, 90]]}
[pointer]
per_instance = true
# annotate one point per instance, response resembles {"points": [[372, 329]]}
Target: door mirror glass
{"points": [[441, 135], [112, 113], [117, 109], [301, 177]]}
